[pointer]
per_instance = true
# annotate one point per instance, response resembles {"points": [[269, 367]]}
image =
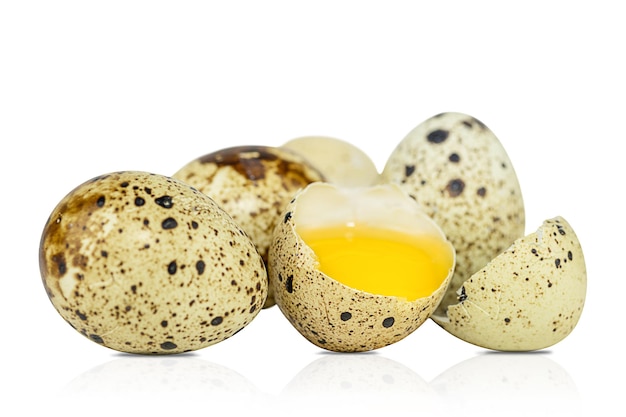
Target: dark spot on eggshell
{"points": [[437, 136], [409, 170], [172, 267], [345, 316], [169, 223], [455, 187], [139, 201], [59, 261], [388, 322], [80, 315], [217, 321], [96, 338], [463, 295], [168, 346], [482, 191], [100, 202], [454, 158], [289, 284], [164, 201], [200, 265], [287, 217]]}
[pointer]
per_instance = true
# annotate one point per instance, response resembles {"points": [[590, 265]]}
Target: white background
{"points": [[88, 88]]}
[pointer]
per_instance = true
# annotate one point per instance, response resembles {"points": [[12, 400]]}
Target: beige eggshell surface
{"points": [[529, 297], [328, 313], [143, 263], [253, 184], [341, 162], [459, 172]]}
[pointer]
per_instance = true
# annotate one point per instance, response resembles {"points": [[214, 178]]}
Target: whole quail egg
{"points": [[357, 268], [341, 162], [460, 173], [528, 298], [143, 263], [253, 184]]}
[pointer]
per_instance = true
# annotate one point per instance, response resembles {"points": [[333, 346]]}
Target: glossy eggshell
{"points": [[529, 297], [143, 263], [340, 161], [328, 313], [253, 184], [459, 172]]}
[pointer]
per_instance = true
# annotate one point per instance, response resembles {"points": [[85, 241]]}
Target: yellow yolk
{"points": [[381, 261]]}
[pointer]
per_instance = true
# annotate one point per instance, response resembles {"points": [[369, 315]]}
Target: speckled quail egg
{"points": [[341, 162], [528, 298], [459, 172], [253, 184], [357, 268], [143, 263]]}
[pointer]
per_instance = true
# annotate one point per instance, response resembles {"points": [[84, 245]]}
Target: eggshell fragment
{"points": [[459, 172], [328, 313], [253, 184], [143, 263], [341, 162], [529, 297]]}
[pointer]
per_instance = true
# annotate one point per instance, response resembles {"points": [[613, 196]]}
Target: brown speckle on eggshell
{"points": [[253, 184], [529, 297], [143, 263], [459, 172]]}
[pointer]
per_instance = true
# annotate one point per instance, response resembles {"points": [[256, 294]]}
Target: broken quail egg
{"points": [[529, 297], [458, 171], [341, 162], [253, 184], [143, 263], [357, 268]]}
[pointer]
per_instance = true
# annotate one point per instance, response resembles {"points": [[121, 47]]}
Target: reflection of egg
{"points": [[529, 297], [143, 263], [253, 184], [355, 269], [459, 172], [341, 162]]}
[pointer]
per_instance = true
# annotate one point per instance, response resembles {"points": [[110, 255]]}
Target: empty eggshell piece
{"points": [[331, 313], [253, 184], [143, 263], [341, 162], [528, 298], [459, 172]]}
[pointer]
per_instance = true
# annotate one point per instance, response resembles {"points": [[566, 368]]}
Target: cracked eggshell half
{"points": [[253, 184], [528, 298], [143, 263], [459, 172], [347, 310], [341, 162]]}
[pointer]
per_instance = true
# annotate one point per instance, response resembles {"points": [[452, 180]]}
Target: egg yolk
{"points": [[380, 261]]}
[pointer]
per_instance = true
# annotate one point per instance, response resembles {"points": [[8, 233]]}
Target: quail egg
{"points": [[341, 162], [459, 172], [529, 297], [253, 184], [357, 268], [143, 263]]}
